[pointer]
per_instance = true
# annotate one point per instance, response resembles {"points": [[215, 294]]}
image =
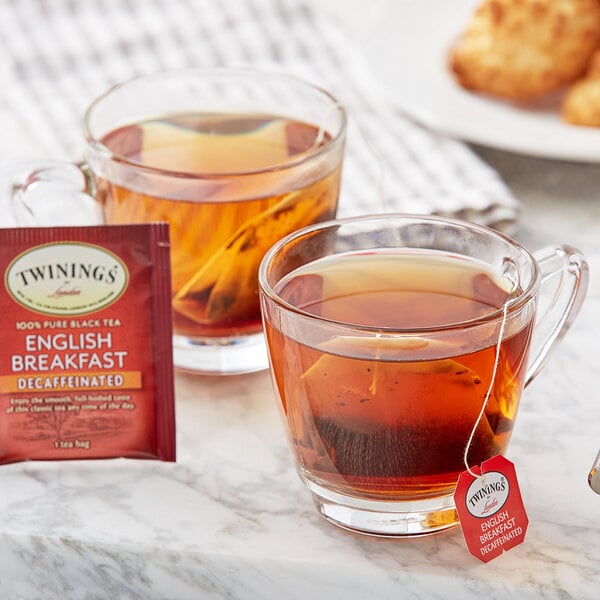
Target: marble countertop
{"points": [[232, 520]]}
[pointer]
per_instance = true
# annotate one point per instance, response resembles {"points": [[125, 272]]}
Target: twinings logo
{"points": [[66, 278], [487, 494]]}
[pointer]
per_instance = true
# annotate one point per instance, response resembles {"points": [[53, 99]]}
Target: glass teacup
{"points": [[399, 348]]}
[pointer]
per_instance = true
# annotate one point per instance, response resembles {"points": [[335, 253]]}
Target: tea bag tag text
{"points": [[490, 508]]}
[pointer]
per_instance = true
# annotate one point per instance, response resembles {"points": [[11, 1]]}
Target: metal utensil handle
{"points": [[594, 476]]}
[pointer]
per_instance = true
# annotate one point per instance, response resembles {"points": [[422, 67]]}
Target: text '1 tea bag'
{"points": [[86, 354]]}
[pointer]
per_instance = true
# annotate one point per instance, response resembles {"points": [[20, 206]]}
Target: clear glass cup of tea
{"points": [[233, 159], [399, 348]]}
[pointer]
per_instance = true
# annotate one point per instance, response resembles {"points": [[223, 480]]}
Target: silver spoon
{"points": [[594, 476]]}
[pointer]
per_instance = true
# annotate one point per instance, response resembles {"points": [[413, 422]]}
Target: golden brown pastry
{"points": [[522, 49], [581, 105]]}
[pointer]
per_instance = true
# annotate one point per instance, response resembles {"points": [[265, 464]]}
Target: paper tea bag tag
{"points": [[490, 508]]}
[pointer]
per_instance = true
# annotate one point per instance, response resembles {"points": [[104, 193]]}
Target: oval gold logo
{"points": [[66, 278]]}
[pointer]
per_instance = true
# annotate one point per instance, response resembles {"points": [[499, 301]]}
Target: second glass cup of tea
{"points": [[399, 348], [233, 159]]}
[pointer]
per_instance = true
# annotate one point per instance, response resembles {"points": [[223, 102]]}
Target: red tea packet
{"points": [[86, 353]]}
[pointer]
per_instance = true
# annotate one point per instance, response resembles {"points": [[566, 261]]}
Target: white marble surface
{"points": [[231, 519]]}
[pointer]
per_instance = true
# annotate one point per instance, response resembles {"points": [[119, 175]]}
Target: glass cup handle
{"points": [[565, 275], [50, 192]]}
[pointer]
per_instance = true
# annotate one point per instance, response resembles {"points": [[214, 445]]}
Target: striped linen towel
{"points": [[57, 56]]}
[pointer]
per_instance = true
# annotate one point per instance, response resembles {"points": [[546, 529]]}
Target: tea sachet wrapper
{"points": [[86, 354]]}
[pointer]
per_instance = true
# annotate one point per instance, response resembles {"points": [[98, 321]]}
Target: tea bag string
{"points": [[489, 390]]}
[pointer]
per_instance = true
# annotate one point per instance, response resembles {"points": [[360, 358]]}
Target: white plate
{"points": [[407, 53]]}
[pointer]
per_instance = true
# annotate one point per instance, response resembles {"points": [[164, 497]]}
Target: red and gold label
{"points": [[85, 363]]}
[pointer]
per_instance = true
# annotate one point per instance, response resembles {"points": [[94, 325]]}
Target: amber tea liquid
{"points": [[237, 196], [388, 417]]}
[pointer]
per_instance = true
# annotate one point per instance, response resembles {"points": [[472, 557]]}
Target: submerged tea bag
{"points": [[86, 356]]}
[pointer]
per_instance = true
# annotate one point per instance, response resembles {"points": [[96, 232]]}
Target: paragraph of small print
{"points": [[70, 404]]}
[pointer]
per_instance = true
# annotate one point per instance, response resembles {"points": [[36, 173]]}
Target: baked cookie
{"points": [[581, 105], [522, 49]]}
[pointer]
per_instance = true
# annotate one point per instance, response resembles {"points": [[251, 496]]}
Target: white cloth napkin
{"points": [[57, 56]]}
